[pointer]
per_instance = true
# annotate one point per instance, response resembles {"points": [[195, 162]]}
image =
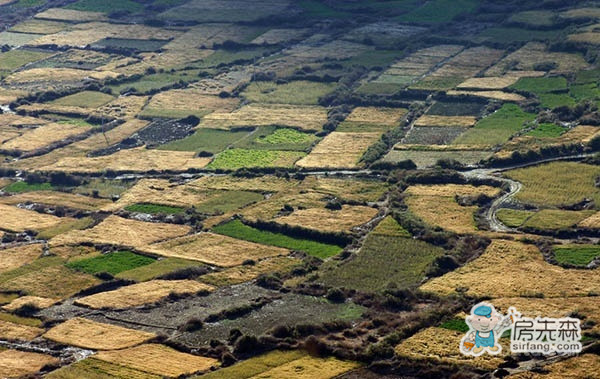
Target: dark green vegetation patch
{"points": [[577, 255], [154, 208], [113, 263]]}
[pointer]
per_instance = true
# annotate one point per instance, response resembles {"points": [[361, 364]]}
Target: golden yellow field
{"points": [[296, 116], [138, 159], [12, 258], [15, 363], [592, 222], [189, 101], [351, 190], [35, 75], [120, 231], [376, 115], [339, 150], [534, 52], [330, 221], [442, 345], [310, 368], [453, 147], [451, 190], [454, 121], [56, 198], [56, 282], [163, 60], [246, 273], [141, 293], [158, 359], [496, 95], [581, 13], [510, 269], [488, 83], [444, 212], [581, 366], [18, 220], [266, 183], [43, 136], [579, 134], [586, 37], [10, 331], [124, 107], [17, 120], [468, 63], [70, 15], [268, 209], [36, 26], [38, 302], [90, 334], [214, 249]]}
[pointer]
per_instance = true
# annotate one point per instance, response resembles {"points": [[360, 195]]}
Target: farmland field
{"points": [[294, 189]]}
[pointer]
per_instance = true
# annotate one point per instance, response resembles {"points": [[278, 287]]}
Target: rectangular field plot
{"points": [[372, 119], [15, 363], [55, 198], [142, 293], [36, 26], [330, 221], [137, 159], [273, 138], [237, 229], [310, 118], [256, 365], [233, 159], [505, 264], [158, 359], [451, 121], [16, 332], [246, 273], [224, 11], [15, 257], [70, 15], [113, 263], [209, 140], [119, 231], [16, 39], [295, 92], [351, 190], [18, 220], [432, 135], [15, 59], [43, 136], [157, 269], [185, 102], [215, 249], [339, 150], [90, 334]]}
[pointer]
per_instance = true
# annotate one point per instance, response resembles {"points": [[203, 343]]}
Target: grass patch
{"points": [[237, 229], [553, 219], [84, 99], [553, 100], [106, 188], [20, 187], [210, 140], [112, 263], [234, 159], [228, 201], [540, 85], [64, 227], [95, 368], [28, 321], [547, 131], [439, 11], [496, 128], [296, 92], [274, 138], [382, 261], [106, 6], [154, 209], [156, 269], [457, 324], [513, 218], [438, 83], [578, 255], [14, 59]]}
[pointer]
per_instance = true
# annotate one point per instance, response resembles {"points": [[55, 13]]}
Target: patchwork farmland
{"points": [[294, 189]]}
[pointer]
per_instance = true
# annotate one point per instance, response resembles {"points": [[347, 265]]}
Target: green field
{"points": [[541, 85], [297, 92], [106, 188], [457, 324], [113, 263], [547, 131], [63, 227], [154, 82], [237, 229], [553, 219], [513, 218], [20, 187], [209, 140], [496, 128], [439, 11], [381, 261], [154, 209], [274, 138], [438, 83], [85, 99], [507, 35], [106, 6], [234, 159], [228, 201], [155, 269], [14, 59], [577, 255]]}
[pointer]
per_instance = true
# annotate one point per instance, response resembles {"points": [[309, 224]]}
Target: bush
{"points": [[336, 295], [247, 345], [192, 325]]}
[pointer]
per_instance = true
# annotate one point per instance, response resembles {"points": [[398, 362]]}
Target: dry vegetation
{"points": [[70, 15], [509, 269], [444, 212], [246, 273], [18, 220], [592, 222], [349, 190], [36, 301], [40, 75], [14, 363], [12, 258], [582, 366], [63, 199], [43, 136], [310, 368], [120, 231], [451, 190], [13, 332], [124, 107], [376, 115], [187, 102], [296, 116], [158, 359], [495, 95], [90, 334], [329, 221], [488, 83], [450, 121], [438, 345], [141, 293], [215, 249], [339, 150], [138, 159]]}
